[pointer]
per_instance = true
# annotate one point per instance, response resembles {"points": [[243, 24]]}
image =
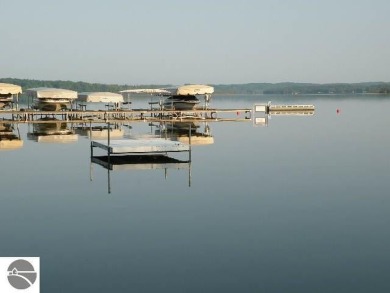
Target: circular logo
{"points": [[21, 274]]}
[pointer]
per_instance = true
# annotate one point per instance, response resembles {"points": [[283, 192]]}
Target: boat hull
{"points": [[180, 103], [4, 102], [53, 105]]}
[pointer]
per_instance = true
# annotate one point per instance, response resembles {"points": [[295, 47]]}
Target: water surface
{"points": [[300, 205]]}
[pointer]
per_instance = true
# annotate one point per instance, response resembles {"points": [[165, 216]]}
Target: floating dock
{"points": [[125, 154], [289, 108], [157, 145]]}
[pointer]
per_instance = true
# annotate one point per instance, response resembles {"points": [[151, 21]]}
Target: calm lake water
{"points": [[299, 205]]}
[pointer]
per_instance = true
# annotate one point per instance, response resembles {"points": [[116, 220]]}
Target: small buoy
{"points": [[338, 111]]}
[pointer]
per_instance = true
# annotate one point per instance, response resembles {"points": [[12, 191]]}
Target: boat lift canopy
{"points": [[192, 89], [52, 93], [10, 89], [99, 97]]}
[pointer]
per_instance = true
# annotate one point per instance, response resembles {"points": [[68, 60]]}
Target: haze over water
{"points": [[300, 205]]}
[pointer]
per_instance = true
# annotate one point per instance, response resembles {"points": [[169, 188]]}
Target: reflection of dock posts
{"points": [[189, 158], [108, 157], [17, 128], [91, 152]]}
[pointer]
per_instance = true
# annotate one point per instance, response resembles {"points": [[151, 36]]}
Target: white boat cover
{"points": [[191, 89], [100, 97], [10, 89], [52, 93]]}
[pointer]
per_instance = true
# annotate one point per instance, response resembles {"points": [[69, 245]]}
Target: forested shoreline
{"points": [[286, 88]]}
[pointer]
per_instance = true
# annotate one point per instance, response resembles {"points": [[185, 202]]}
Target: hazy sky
{"points": [[179, 41]]}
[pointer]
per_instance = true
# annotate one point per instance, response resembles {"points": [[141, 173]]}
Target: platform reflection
{"points": [[10, 137], [52, 131]]}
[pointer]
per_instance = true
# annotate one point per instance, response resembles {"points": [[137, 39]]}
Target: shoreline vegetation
{"points": [[284, 88]]}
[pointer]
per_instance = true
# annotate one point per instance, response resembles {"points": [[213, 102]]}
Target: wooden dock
{"points": [[29, 115], [153, 114]]}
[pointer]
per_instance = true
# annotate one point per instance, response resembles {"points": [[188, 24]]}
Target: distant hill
{"points": [[290, 88], [286, 88]]}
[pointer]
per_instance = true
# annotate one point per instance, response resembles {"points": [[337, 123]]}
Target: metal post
{"points": [[108, 135], [189, 174], [108, 158], [90, 166], [109, 179]]}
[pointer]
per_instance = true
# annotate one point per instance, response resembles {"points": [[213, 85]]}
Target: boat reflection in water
{"points": [[186, 132], [51, 99], [100, 131], [51, 130], [10, 137]]}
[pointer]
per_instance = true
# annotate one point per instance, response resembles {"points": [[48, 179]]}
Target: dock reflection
{"points": [[138, 163], [186, 132], [191, 132], [10, 137], [100, 131], [52, 131]]}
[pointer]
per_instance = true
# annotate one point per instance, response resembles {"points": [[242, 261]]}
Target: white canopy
{"points": [[10, 89], [52, 93], [146, 91], [100, 97], [191, 89]]}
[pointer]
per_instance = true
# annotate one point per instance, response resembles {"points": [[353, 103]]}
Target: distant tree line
{"points": [[290, 88], [287, 88], [77, 86]]}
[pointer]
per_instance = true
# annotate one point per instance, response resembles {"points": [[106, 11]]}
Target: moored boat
{"points": [[7, 93], [110, 99], [185, 97], [52, 99], [178, 102]]}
